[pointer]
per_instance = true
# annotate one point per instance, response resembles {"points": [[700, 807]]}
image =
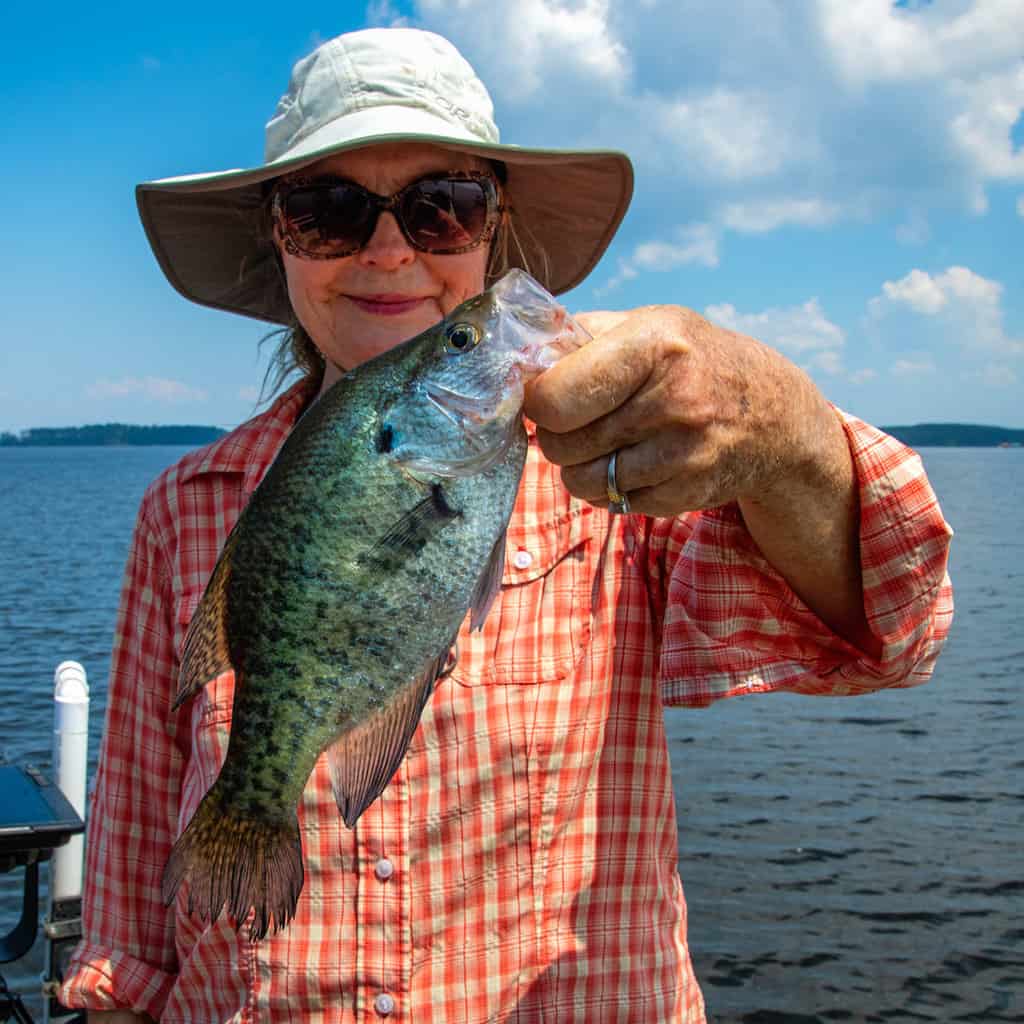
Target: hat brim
{"points": [[205, 230]]}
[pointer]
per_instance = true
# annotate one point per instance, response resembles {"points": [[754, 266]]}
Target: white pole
{"points": [[70, 767], [63, 923]]}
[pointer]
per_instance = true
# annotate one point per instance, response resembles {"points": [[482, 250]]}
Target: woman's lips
{"points": [[386, 305]]}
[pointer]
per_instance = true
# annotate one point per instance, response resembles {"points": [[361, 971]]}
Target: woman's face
{"points": [[356, 307]]}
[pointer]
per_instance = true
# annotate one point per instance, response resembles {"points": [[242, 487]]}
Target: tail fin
{"points": [[238, 863]]}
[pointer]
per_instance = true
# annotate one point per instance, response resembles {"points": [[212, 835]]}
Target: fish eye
{"points": [[459, 338]]}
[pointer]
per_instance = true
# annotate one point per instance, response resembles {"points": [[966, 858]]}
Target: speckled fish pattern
{"points": [[340, 591]]}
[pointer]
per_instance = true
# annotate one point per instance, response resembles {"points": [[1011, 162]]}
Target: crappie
{"points": [[339, 593]]}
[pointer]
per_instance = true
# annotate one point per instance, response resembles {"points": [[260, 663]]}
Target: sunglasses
{"points": [[444, 214]]}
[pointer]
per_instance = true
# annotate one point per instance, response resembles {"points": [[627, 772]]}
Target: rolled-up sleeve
{"points": [[732, 625], [127, 956]]}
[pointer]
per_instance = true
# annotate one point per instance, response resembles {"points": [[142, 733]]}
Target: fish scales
{"points": [[340, 653], [341, 589]]}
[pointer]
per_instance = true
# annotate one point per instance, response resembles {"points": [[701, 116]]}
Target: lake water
{"points": [[845, 860]]}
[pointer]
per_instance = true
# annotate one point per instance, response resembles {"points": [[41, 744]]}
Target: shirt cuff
{"points": [[733, 625], [106, 979]]}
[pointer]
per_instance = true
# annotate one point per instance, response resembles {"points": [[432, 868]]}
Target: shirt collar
{"points": [[252, 447]]}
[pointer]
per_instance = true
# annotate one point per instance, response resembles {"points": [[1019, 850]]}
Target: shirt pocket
{"points": [[539, 625]]}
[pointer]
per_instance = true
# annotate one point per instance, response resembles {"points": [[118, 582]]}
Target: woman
{"points": [[521, 864]]}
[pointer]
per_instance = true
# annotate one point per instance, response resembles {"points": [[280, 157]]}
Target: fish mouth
{"points": [[471, 417], [464, 412]]}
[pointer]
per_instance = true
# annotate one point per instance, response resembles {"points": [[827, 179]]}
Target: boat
{"points": [[41, 820]]}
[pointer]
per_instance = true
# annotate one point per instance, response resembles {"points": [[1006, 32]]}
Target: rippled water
{"points": [[844, 860], [861, 859]]}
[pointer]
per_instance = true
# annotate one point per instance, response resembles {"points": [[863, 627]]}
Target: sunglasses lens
{"points": [[444, 214], [328, 219], [439, 215]]}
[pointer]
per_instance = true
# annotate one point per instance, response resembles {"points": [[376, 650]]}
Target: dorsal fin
{"points": [[206, 654]]}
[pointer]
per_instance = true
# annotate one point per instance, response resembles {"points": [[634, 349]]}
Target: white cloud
{"points": [[249, 394], [692, 244], [157, 389], [873, 40], [918, 290], [803, 333], [968, 306], [760, 216], [699, 243], [965, 284], [983, 129], [726, 133], [913, 368], [866, 107], [522, 48], [798, 330], [695, 243]]}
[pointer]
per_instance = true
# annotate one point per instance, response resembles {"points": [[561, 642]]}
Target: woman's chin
{"points": [[361, 342]]}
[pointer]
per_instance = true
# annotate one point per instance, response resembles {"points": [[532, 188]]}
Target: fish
{"points": [[339, 593]]}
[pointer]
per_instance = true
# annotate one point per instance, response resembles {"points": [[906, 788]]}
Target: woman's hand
{"points": [[701, 417]]}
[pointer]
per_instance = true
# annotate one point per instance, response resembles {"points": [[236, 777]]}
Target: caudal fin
{"points": [[239, 864]]}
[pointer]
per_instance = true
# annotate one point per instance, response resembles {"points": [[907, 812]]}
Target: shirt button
{"points": [[384, 1004], [522, 559], [384, 869]]}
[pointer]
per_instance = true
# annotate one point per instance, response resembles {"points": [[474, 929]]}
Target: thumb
{"points": [[594, 380]]}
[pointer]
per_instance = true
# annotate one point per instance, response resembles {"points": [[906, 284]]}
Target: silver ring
{"points": [[618, 501]]}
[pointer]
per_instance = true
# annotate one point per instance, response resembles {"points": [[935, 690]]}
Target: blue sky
{"points": [[843, 180]]}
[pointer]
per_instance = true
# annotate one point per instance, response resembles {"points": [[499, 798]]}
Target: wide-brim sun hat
{"points": [[359, 90]]}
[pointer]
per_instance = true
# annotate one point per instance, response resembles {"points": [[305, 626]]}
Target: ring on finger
{"points": [[618, 500]]}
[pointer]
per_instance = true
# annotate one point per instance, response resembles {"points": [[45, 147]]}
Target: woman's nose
{"points": [[387, 248]]}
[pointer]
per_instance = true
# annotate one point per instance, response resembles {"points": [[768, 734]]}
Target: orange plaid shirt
{"points": [[522, 863]]}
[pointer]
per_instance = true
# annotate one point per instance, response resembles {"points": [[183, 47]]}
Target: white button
{"points": [[522, 559], [384, 1004], [384, 869]]}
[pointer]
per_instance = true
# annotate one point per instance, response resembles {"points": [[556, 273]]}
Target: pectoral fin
{"points": [[412, 531], [363, 760], [206, 654], [488, 585]]}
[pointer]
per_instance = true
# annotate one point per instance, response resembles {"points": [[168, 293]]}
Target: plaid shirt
{"points": [[522, 863]]}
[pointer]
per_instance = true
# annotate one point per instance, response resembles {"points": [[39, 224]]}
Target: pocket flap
{"points": [[533, 552]]}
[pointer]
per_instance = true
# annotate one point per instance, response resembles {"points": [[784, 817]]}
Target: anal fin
{"points": [[488, 585], [363, 760]]}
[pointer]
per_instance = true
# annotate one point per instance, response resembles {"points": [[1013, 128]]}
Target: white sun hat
{"points": [[358, 90]]}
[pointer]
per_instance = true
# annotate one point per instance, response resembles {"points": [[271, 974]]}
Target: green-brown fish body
{"points": [[339, 593]]}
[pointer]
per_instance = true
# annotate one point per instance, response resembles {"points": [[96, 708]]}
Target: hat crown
{"points": [[398, 67]]}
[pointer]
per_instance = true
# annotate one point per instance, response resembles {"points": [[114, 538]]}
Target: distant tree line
{"points": [[112, 434], [956, 435], [921, 435]]}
